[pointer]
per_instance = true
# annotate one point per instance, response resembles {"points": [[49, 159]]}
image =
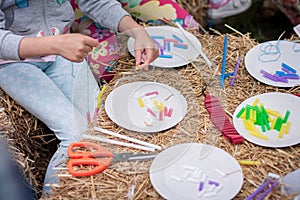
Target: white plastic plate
{"points": [[175, 49], [123, 108], [280, 102], [196, 171], [269, 56]]}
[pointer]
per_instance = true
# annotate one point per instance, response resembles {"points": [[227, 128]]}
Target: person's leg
{"points": [[13, 183], [219, 9], [28, 84], [79, 86], [81, 91]]}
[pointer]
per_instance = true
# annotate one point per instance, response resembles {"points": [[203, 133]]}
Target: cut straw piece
{"points": [[258, 190], [267, 191], [99, 97], [102, 139], [127, 138], [192, 43], [224, 59], [226, 25], [249, 162], [287, 67], [235, 71]]}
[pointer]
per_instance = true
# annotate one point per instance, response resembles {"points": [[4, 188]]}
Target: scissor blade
{"points": [[132, 157]]}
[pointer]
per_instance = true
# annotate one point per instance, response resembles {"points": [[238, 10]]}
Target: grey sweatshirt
{"points": [[36, 18]]}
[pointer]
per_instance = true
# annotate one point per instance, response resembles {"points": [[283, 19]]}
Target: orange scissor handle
{"points": [[98, 165], [95, 150], [88, 158]]}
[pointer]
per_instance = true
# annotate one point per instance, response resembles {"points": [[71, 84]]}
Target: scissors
{"points": [[98, 157]]}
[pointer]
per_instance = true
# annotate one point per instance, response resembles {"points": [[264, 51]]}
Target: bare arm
{"points": [[127, 23], [74, 47]]}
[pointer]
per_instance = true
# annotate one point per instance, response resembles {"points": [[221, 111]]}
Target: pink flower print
{"points": [[101, 33], [82, 26], [112, 48], [190, 22]]}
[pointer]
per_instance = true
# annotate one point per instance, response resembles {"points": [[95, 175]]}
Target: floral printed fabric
{"points": [[164, 9], [291, 8], [103, 59]]}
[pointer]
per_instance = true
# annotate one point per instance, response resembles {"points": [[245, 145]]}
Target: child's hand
{"points": [[144, 47], [145, 50], [75, 47]]}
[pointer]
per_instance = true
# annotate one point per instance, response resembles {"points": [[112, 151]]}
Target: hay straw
{"points": [[27, 139], [27, 135], [115, 182]]}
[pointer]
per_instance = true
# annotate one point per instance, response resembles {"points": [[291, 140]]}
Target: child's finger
{"points": [[138, 56], [150, 55]]}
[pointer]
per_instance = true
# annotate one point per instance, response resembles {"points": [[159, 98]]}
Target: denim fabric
{"points": [[46, 90]]}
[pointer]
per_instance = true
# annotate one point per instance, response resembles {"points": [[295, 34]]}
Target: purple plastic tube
{"points": [[265, 193], [259, 189]]}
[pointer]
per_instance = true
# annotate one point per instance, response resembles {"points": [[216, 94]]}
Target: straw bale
{"points": [[197, 8], [33, 144], [192, 81], [28, 139]]}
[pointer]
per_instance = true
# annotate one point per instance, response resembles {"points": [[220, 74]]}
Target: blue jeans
{"points": [[46, 89]]}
